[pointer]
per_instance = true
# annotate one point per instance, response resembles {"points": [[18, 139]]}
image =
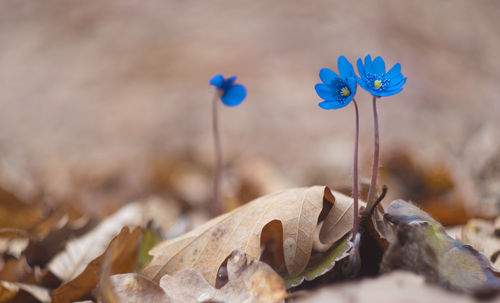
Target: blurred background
{"points": [[105, 102]]}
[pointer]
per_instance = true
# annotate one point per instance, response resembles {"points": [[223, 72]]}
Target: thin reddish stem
{"points": [[217, 203], [355, 185], [373, 184]]}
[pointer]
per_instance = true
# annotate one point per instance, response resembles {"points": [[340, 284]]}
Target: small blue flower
{"points": [[375, 80], [337, 91], [230, 94]]}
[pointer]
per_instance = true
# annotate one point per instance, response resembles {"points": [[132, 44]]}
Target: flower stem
{"points": [[217, 203], [373, 184], [355, 185]]}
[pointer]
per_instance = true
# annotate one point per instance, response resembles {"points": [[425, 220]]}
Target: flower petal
{"points": [[394, 71], [229, 81], [345, 68], [324, 91], [379, 66], [362, 83], [361, 68], [234, 95], [368, 64], [327, 75], [332, 104], [396, 84], [217, 81], [389, 93], [352, 85], [395, 79]]}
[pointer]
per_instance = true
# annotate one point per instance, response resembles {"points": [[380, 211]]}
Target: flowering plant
{"points": [[231, 94], [374, 79], [337, 91]]}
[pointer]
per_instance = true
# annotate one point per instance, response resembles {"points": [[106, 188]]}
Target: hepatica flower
{"points": [[337, 90], [379, 83], [231, 94], [375, 80]]}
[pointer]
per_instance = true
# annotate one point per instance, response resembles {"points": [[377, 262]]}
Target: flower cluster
{"points": [[338, 90]]}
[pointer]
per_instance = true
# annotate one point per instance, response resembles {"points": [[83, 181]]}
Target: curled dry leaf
{"points": [[253, 282], [291, 216], [16, 218], [16, 214], [40, 251], [78, 253], [21, 292], [132, 288], [421, 245], [123, 253], [339, 221]]}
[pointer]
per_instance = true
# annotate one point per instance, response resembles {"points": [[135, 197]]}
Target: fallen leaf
{"points": [[253, 282], [480, 234], [79, 252], [320, 263], [132, 288], [20, 292], [123, 251], [421, 245], [339, 220], [397, 286], [13, 241], [16, 214], [205, 248], [14, 269], [40, 251]]}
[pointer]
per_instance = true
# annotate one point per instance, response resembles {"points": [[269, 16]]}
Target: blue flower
{"points": [[230, 94], [375, 80], [337, 91]]}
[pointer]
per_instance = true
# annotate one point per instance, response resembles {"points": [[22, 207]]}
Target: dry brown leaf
{"points": [[20, 292], [16, 218], [254, 282], [13, 242], [123, 254], [393, 287], [13, 269], [205, 248], [16, 214], [40, 251], [339, 220], [132, 288], [79, 252]]}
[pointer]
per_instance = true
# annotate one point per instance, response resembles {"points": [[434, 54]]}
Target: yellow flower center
{"points": [[377, 84], [345, 92]]}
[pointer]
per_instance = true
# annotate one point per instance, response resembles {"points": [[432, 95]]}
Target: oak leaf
{"points": [[123, 254], [247, 282], [293, 214]]}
